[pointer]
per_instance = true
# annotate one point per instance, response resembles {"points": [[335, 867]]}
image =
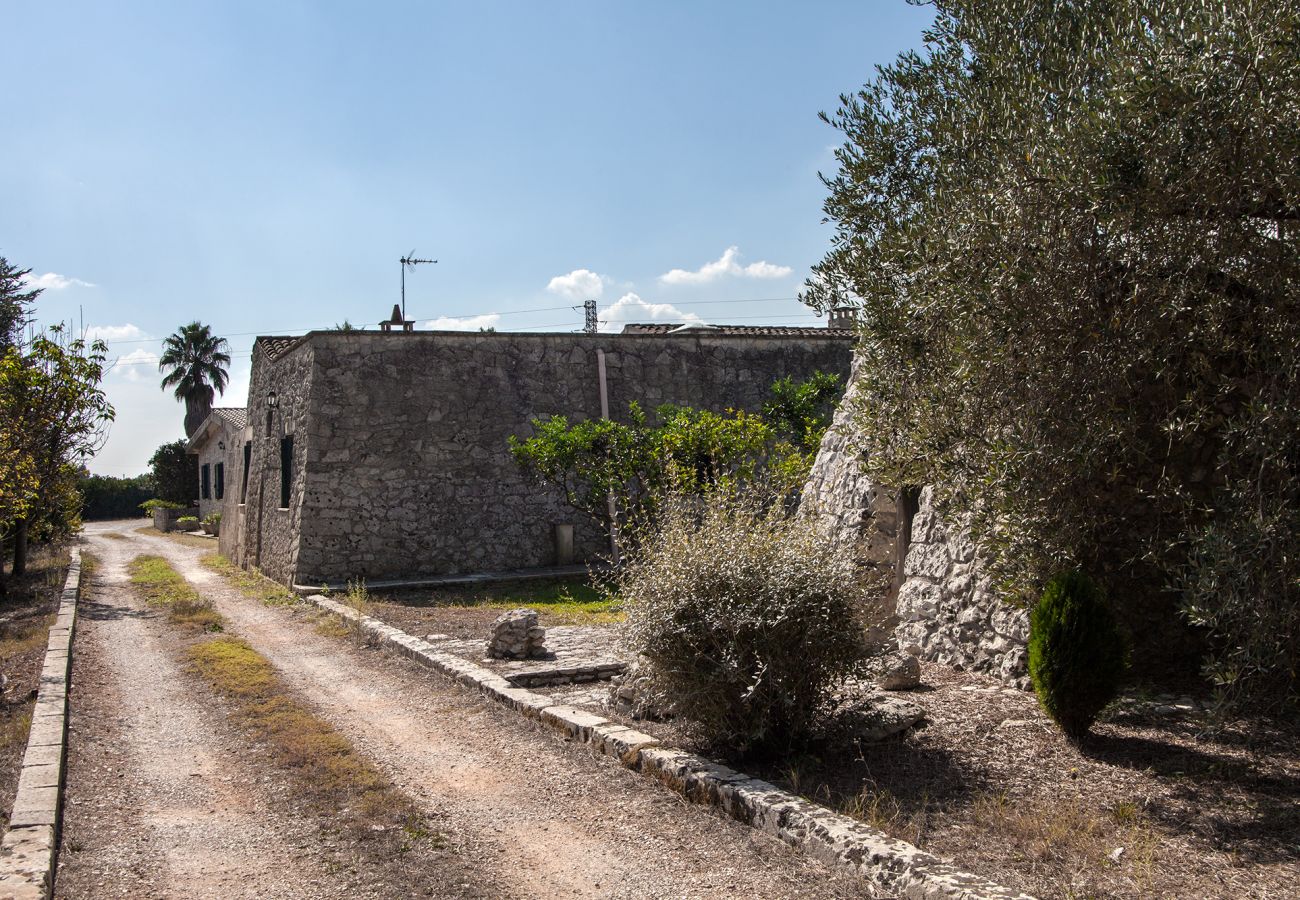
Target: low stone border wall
{"points": [[895, 867], [30, 846]]}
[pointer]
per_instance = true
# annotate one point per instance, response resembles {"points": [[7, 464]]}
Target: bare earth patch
{"points": [[1150, 806], [1155, 804], [526, 814], [178, 787], [26, 615]]}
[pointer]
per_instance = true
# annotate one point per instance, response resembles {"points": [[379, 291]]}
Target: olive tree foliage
{"points": [[1072, 230]]}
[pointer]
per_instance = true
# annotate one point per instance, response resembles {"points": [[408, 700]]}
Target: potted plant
{"points": [[212, 524], [188, 523], [164, 512]]}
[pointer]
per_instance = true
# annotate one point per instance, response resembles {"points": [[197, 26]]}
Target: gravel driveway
{"points": [[166, 800]]}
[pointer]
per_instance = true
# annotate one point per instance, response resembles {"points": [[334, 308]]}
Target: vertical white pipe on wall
{"points": [[604, 414]]}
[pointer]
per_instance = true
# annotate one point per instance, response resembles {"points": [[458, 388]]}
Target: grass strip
{"points": [[253, 585], [160, 585], [561, 602], [336, 780]]}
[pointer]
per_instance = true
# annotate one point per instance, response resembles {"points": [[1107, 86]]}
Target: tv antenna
{"points": [[409, 261]]}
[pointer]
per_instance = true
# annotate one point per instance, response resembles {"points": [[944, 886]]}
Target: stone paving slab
{"points": [[28, 851], [576, 654], [891, 866]]}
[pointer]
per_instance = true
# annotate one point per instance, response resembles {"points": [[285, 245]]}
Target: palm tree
{"points": [[197, 359]]}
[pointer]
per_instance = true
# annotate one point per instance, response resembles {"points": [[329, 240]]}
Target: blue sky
{"points": [[263, 166]]}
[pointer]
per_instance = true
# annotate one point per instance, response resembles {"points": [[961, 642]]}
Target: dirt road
{"points": [[187, 810]]}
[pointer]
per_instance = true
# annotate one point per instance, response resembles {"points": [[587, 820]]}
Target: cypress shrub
{"points": [[1077, 654]]}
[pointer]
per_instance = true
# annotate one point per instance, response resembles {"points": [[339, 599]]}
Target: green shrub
{"points": [[187, 523], [150, 505], [745, 620], [1077, 655]]}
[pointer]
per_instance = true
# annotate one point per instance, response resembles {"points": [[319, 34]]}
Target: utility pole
{"points": [[589, 307], [410, 260]]}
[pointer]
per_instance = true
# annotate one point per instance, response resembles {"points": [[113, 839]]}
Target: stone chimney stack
{"points": [[842, 318]]}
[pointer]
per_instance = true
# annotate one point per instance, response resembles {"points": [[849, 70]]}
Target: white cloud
{"points": [[111, 333], [53, 281], [578, 285], [631, 308], [727, 264], [469, 323], [136, 365]]}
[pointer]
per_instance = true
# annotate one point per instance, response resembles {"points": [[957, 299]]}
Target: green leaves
{"points": [[1074, 234], [689, 450]]}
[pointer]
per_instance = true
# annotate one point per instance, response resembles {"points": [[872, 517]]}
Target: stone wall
{"points": [[268, 536], [402, 462], [946, 609], [943, 608], [861, 516]]}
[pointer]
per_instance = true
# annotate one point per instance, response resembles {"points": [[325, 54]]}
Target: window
{"points": [[205, 481], [270, 420], [220, 474], [248, 459], [286, 469]]}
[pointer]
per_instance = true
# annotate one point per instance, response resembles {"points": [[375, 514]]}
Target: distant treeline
{"points": [[106, 497]]}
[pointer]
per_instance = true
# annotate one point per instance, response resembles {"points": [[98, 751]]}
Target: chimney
{"points": [[842, 318]]}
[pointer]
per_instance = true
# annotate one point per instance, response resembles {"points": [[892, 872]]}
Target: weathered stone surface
{"points": [[516, 635], [401, 466], [880, 716], [903, 673], [947, 609], [944, 609]]}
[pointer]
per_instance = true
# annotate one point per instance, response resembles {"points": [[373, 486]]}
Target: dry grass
{"points": [[253, 585], [332, 776], [358, 600], [988, 781], [1067, 837], [160, 585], [114, 535], [26, 614], [180, 537]]}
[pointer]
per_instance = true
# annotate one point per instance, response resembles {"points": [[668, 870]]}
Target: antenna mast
{"points": [[589, 308], [410, 260]]}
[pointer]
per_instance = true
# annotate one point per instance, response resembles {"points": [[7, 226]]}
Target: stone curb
{"points": [[30, 847], [895, 867]]}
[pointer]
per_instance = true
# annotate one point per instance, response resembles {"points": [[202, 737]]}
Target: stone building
{"points": [[217, 443], [384, 455]]}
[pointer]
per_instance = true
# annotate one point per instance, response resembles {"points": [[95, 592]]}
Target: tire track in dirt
{"points": [[163, 799], [553, 821]]}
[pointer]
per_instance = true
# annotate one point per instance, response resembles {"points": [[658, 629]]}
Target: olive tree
{"points": [[1072, 230]]}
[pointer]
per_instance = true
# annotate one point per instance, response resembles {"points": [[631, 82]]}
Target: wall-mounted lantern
{"points": [[272, 400]]}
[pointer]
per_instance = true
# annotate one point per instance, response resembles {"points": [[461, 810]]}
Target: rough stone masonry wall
{"points": [[407, 466], [860, 516], [267, 538], [944, 609]]}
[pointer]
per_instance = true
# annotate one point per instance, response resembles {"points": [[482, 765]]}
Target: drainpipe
{"points": [[609, 500]]}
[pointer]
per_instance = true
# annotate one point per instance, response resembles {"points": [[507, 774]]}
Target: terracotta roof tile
{"points": [[234, 416], [275, 346]]}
